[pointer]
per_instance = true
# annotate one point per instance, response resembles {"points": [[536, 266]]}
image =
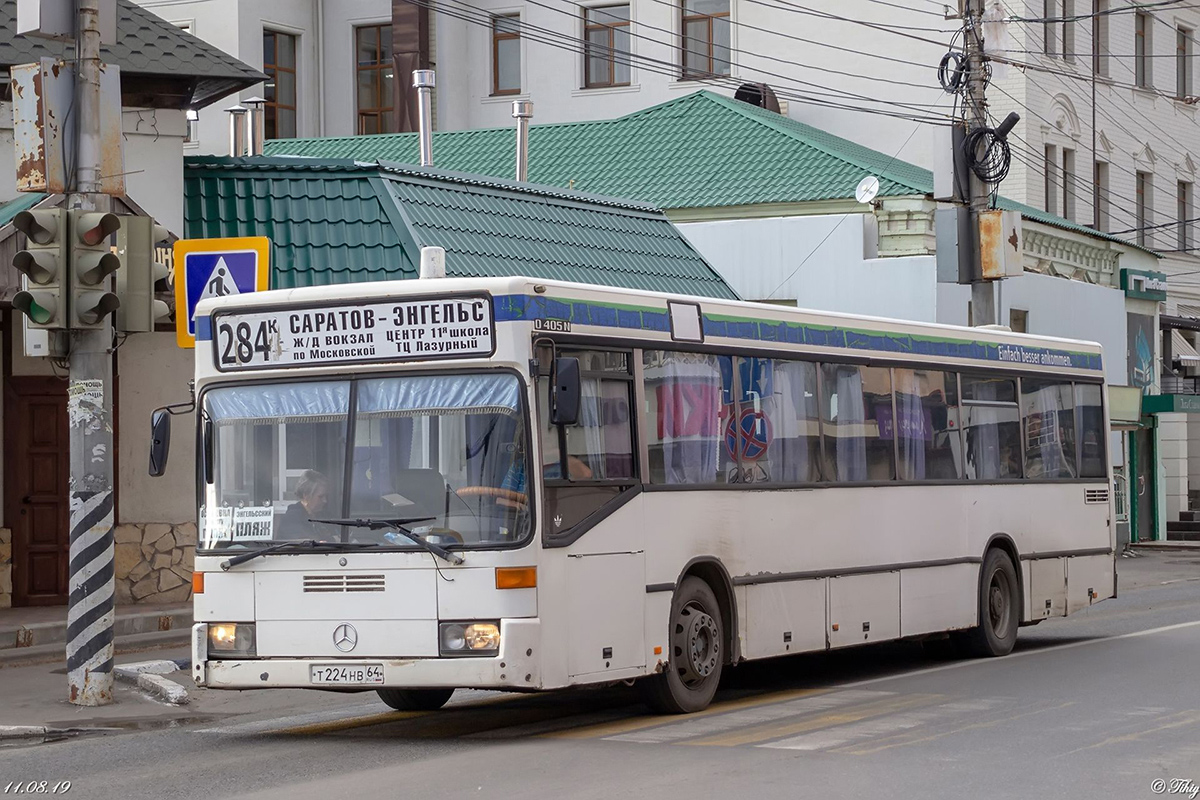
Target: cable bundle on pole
{"points": [[987, 150]]}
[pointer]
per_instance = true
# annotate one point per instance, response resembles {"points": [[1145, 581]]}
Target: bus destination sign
{"points": [[408, 330]]}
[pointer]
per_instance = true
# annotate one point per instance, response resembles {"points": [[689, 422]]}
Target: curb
{"points": [[129, 673], [25, 731], [166, 690]]}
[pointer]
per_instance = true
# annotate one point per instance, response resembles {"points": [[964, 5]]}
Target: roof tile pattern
{"points": [[337, 221]]}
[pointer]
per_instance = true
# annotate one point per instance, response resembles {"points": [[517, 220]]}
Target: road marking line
{"points": [[868, 750], [851, 714], [1184, 719], [845, 734], [652, 721], [690, 728], [350, 724], [1022, 654]]}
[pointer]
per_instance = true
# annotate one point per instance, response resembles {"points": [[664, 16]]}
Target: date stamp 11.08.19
{"points": [[36, 787]]}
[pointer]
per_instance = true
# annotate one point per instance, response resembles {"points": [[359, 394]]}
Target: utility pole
{"points": [[90, 614], [983, 292]]}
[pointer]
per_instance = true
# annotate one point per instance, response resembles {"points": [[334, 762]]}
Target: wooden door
{"points": [[36, 470]]}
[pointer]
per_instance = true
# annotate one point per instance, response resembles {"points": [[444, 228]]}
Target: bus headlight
{"points": [[231, 639], [469, 638]]}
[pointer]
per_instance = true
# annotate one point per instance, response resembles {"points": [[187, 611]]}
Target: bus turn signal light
{"points": [[197, 583], [516, 577]]}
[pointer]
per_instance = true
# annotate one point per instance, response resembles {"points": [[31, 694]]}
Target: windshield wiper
{"points": [[397, 524], [302, 543]]}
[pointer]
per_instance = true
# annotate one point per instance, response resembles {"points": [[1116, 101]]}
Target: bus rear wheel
{"points": [[415, 699], [697, 653], [999, 608]]}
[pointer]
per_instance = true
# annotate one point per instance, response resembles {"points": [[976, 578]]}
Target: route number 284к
{"points": [[241, 342]]}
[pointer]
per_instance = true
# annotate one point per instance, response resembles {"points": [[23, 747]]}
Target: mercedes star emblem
{"points": [[345, 638]]}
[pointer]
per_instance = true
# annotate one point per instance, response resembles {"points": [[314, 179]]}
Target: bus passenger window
{"points": [[1048, 413], [688, 406], [1093, 459], [992, 425], [779, 430], [927, 425], [856, 411]]}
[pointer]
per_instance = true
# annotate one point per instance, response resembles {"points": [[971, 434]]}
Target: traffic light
{"points": [[43, 299], [92, 261], [137, 243]]}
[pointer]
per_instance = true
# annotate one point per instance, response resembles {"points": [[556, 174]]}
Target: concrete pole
{"points": [[983, 293], [90, 612]]}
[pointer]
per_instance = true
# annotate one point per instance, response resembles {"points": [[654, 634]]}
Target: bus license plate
{"points": [[346, 673]]}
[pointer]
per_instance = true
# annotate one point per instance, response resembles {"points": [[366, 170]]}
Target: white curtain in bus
{"points": [[912, 430], [849, 416], [280, 403], [689, 404], [591, 417], [439, 394], [792, 414]]}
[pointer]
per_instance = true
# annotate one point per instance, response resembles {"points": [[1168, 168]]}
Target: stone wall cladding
{"points": [[6, 586], [154, 562]]}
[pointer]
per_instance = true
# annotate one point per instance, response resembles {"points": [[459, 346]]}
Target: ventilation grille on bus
{"points": [[1095, 496], [343, 583]]}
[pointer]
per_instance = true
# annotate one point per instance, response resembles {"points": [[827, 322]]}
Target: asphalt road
{"points": [[1100, 704]]}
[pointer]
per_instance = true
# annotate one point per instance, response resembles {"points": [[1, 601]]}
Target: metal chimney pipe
{"points": [[256, 132], [424, 81], [522, 111], [433, 262], [237, 130]]}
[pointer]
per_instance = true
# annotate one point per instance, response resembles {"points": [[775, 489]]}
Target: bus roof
{"points": [[626, 313]]}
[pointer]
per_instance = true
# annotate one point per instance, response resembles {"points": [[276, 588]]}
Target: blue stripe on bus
{"points": [[526, 308], [204, 328]]}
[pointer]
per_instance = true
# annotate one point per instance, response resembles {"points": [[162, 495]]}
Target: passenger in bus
{"points": [[312, 495]]}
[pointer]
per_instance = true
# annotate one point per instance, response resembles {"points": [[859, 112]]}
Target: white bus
{"points": [[524, 484]]}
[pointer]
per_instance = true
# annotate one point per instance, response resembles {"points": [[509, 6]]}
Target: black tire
{"points": [[697, 653], [415, 699], [999, 608]]}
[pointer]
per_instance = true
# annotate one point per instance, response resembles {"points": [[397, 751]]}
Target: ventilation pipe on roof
{"points": [[424, 81], [522, 111], [433, 262], [257, 126], [237, 130]]}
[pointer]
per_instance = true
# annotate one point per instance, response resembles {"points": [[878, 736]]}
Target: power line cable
{"points": [[1136, 8]]}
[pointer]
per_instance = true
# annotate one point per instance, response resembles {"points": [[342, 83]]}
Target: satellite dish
{"points": [[867, 189]]}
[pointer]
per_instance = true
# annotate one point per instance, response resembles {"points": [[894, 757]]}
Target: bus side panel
{"points": [[938, 598], [1048, 587], [865, 608], [783, 618], [1089, 578]]}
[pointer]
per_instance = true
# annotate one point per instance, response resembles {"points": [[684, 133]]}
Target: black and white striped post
{"points": [[90, 613]]}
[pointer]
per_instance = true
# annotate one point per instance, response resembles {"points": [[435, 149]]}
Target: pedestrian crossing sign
{"points": [[216, 268]]}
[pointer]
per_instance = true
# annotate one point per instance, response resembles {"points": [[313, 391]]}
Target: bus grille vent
{"points": [[343, 583], [1095, 496]]}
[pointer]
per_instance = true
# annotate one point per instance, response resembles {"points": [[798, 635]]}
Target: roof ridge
{"points": [[457, 132], [780, 125]]}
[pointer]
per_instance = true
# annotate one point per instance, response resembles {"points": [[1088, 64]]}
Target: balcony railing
{"points": [[1179, 384]]}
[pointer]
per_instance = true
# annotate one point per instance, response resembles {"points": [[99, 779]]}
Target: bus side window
{"points": [[1048, 417], [856, 422], [1093, 459], [992, 424]]}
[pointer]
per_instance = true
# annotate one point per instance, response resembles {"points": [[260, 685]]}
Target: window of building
{"points": [[279, 64], [1093, 458], [992, 424], [1185, 213], [856, 403], [1144, 204], [375, 75], [706, 42], [1100, 196], [606, 46], [1183, 62], [926, 427], [688, 408], [1058, 33], [1048, 417], [1100, 37], [1142, 69], [1051, 162], [1068, 184], [506, 54], [1018, 320], [1068, 30]]}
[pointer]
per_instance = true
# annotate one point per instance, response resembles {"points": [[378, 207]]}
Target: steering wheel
{"points": [[503, 496]]}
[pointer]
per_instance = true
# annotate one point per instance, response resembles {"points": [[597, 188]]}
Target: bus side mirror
{"points": [[160, 441], [565, 392]]}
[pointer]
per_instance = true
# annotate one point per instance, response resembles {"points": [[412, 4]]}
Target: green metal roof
{"points": [[337, 221], [701, 150], [23, 202]]}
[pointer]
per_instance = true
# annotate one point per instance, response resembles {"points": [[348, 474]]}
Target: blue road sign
{"points": [[215, 268]]}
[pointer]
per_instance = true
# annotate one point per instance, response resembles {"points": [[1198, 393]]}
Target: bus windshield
{"points": [[445, 452]]}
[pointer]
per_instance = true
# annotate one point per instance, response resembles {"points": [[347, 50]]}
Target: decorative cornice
{"points": [[1068, 257]]}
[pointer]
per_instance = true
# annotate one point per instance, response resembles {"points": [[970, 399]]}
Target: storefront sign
{"points": [[1144, 285]]}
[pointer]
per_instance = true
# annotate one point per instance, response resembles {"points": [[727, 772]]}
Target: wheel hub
{"points": [[700, 643]]}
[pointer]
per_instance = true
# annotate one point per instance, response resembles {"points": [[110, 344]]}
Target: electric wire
{"points": [[1136, 8]]}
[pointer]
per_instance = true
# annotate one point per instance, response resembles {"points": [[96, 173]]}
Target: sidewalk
{"points": [[40, 633]]}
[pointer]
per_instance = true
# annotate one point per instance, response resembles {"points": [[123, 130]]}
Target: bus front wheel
{"points": [[697, 652], [999, 607], [415, 699]]}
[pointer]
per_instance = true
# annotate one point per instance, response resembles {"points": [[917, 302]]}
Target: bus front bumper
{"points": [[516, 666]]}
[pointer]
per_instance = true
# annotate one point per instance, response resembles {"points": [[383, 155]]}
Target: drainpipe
{"points": [[424, 81], [522, 111], [237, 130]]}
